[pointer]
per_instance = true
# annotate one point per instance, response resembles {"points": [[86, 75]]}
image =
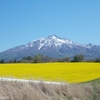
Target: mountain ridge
{"points": [[52, 46]]}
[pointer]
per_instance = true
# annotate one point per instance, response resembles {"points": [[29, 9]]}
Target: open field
{"points": [[69, 72], [10, 89]]}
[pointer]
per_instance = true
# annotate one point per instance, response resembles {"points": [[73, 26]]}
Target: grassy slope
{"points": [[42, 91]]}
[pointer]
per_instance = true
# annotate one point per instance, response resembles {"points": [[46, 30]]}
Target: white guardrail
{"points": [[29, 81]]}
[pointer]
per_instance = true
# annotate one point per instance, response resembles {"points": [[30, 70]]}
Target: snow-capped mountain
{"points": [[49, 42], [53, 46]]}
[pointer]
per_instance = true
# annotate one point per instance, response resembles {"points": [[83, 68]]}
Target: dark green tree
{"points": [[15, 61], [78, 58], [2, 61], [37, 58], [97, 60], [29, 58]]}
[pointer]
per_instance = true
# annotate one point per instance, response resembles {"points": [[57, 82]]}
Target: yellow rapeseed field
{"points": [[69, 72]]}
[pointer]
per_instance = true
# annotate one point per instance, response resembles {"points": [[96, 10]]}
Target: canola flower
{"points": [[69, 72]]}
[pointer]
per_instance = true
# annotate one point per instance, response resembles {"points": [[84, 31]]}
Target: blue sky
{"points": [[22, 21]]}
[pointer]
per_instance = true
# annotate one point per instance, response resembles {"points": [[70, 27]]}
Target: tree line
{"points": [[39, 58]]}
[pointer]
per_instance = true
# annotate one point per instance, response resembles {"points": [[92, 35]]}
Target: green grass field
{"points": [[69, 72]]}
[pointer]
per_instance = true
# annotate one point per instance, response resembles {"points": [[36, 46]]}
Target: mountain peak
{"points": [[52, 46], [53, 36]]}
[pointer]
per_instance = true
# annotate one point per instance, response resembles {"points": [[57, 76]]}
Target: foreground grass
{"points": [[69, 72], [41, 91]]}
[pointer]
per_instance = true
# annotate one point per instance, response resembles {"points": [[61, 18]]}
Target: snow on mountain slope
{"points": [[52, 40], [53, 46]]}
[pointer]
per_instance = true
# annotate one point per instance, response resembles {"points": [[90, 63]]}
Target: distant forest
{"points": [[39, 58]]}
